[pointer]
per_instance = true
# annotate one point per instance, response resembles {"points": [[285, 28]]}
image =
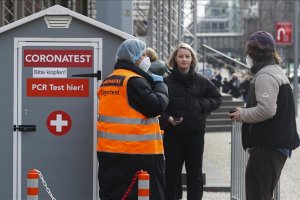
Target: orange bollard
{"points": [[143, 186], [32, 185]]}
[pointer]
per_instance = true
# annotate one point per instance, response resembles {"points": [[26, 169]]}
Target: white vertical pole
{"points": [[296, 62]]}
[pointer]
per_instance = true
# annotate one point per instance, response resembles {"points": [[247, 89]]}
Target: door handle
{"points": [[92, 75], [25, 128]]}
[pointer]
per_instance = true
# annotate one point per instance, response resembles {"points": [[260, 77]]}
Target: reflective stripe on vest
{"points": [[122, 129], [129, 137], [122, 120]]}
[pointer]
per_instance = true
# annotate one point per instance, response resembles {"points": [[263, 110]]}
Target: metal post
{"points": [[239, 160], [296, 7], [277, 191], [143, 186], [120, 18], [195, 25], [203, 59], [32, 185], [180, 16]]}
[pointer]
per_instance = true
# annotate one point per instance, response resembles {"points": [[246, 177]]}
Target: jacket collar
{"points": [[261, 64], [186, 79]]}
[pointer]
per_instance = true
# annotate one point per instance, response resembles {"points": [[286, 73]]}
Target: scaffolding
{"points": [[166, 23], [163, 24]]}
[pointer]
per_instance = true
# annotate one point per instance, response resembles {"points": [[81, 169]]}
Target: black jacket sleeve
{"points": [[212, 98], [150, 99]]}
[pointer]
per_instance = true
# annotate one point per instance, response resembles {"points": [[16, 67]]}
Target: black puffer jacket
{"points": [[192, 96]]}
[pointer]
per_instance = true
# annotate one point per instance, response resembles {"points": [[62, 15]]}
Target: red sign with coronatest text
{"points": [[57, 58], [57, 87]]}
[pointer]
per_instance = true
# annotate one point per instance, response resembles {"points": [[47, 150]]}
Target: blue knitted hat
{"points": [[264, 40]]}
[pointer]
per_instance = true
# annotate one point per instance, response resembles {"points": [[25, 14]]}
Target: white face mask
{"points": [[145, 64], [249, 61]]}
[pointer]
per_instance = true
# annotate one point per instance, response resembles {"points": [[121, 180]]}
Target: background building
{"points": [[227, 25], [162, 24], [221, 28], [263, 15]]}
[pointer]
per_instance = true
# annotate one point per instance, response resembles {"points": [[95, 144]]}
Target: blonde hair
{"points": [[172, 61], [151, 54], [235, 75]]}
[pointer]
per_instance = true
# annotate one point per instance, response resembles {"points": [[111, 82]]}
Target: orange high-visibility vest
{"points": [[122, 129]]}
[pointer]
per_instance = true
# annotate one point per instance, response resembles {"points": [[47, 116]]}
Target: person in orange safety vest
{"points": [[129, 135]]}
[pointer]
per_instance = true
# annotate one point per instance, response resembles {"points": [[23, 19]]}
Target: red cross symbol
{"points": [[59, 122]]}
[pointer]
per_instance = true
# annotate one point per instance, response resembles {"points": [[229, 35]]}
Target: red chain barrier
{"points": [[133, 181]]}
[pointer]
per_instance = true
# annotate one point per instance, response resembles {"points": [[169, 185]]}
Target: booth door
{"points": [[57, 116]]}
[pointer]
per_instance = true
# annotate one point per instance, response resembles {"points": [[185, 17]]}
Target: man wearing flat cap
{"points": [[269, 131]]}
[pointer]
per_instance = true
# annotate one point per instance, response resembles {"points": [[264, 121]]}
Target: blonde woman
{"points": [[191, 98]]}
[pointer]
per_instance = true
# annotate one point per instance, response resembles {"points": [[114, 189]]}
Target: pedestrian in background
{"points": [[192, 97], [234, 86], [245, 86], [217, 80], [269, 130], [225, 86], [129, 136], [157, 67]]}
